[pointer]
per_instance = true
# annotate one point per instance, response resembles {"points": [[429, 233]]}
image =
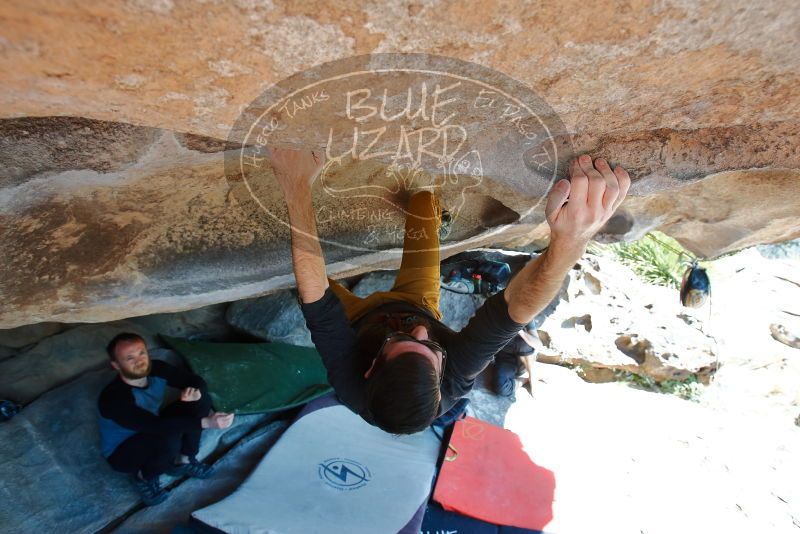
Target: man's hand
{"points": [[295, 170], [217, 420], [578, 208], [190, 394], [575, 211]]}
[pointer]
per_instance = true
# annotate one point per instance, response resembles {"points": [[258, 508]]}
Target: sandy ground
{"points": [[633, 461]]}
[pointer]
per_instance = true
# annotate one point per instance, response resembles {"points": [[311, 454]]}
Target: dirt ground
{"points": [[632, 461]]}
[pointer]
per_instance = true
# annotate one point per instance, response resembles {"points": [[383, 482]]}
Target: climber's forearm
{"points": [[537, 284], [308, 262]]}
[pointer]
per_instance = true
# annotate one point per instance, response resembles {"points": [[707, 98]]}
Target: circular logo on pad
{"points": [[344, 474]]}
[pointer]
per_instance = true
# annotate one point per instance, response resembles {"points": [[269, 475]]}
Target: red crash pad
{"points": [[487, 475]]}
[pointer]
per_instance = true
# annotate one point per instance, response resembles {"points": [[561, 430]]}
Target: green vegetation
{"points": [[652, 261], [689, 389]]}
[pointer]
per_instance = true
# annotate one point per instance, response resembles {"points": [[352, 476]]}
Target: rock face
{"points": [[62, 357], [278, 318], [606, 320], [16, 338], [275, 318], [113, 189], [56, 440], [678, 64]]}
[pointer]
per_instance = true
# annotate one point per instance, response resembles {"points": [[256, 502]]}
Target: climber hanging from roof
{"points": [[388, 356]]}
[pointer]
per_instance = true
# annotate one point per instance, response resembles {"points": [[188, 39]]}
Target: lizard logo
{"points": [[391, 125]]}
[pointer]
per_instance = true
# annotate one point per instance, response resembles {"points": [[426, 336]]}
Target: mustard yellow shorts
{"points": [[418, 280]]}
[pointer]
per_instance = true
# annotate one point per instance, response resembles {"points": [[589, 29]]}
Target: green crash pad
{"points": [[245, 378]]}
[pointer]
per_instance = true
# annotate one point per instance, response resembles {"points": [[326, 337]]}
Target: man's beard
{"points": [[136, 376]]}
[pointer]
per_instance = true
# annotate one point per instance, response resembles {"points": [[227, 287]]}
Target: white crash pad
{"points": [[333, 472]]}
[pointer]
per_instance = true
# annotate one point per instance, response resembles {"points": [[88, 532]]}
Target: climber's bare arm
{"points": [[295, 171], [594, 192]]}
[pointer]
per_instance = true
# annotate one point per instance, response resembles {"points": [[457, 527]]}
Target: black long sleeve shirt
{"points": [[125, 410], [341, 344]]}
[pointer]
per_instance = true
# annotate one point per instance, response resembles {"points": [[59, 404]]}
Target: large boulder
{"points": [[60, 358], [374, 282], [276, 318], [208, 322], [113, 189], [57, 359], [15, 338], [640, 70]]}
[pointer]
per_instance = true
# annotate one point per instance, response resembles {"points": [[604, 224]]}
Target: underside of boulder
{"points": [[114, 194]]}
